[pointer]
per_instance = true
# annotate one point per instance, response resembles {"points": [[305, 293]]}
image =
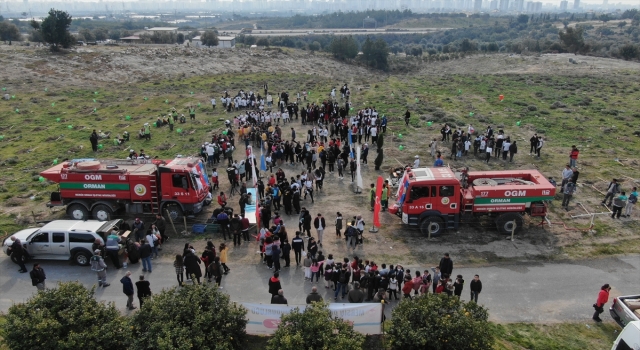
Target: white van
{"points": [[62, 240], [629, 338]]}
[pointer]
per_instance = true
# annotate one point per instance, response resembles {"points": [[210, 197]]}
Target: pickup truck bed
{"points": [[625, 309]]}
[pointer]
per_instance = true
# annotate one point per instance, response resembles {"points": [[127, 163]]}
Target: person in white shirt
{"points": [[567, 173], [467, 146], [505, 148], [213, 103], [416, 162]]}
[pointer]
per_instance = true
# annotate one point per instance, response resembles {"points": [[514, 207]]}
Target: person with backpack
{"points": [[343, 280], [633, 199], [352, 236], [298, 247]]}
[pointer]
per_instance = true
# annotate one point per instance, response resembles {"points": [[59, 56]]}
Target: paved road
{"points": [[521, 292]]}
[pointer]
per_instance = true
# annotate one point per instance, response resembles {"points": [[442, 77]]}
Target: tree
{"points": [[55, 29], [629, 51], [468, 46], [314, 46], [440, 322], [263, 42], [86, 34], [180, 38], [573, 40], [622, 24], [604, 18], [209, 38], [523, 19], [9, 32], [191, 317], [344, 47], [376, 53], [101, 34], [314, 328], [67, 317]]}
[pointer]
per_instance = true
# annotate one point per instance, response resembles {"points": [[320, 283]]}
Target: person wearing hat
{"points": [[416, 162], [100, 267], [603, 298]]}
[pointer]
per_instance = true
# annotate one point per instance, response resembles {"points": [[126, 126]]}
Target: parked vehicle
{"points": [[625, 309], [434, 198], [629, 338], [100, 188], [62, 240]]}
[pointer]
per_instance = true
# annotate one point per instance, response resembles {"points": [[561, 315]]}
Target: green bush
{"points": [[314, 328], [68, 317], [440, 322], [192, 317]]}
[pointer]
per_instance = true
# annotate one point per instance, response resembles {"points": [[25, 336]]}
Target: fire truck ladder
{"points": [[155, 205]]}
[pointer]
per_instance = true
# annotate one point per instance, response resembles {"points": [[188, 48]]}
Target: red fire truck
{"points": [[436, 198], [101, 188]]}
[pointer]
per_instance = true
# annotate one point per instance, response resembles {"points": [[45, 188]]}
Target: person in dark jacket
{"points": [[446, 266], [17, 253], [215, 271], [144, 289], [279, 298], [274, 284], [476, 288], [94, 140], [192, 265], [314, 296], [356, 295], [298, 246], [145, 255], [312, 248], [458, 285], [513, 149], [127, 289], [236, 229], [286, 252], [38, 276]]}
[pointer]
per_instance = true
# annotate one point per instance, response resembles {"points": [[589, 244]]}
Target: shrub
{"points": [[314, 328], [192, 317], [68, 317], [440, 322]]}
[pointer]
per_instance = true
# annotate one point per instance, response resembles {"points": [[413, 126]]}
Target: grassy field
{"points": [[598, 113]]}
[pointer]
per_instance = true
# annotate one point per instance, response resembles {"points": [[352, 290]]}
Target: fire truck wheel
{"points": [[174, 210], [78, 212], [504, 222], [102, 212], [437, 226]]}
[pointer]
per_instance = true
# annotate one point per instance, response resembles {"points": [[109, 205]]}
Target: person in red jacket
{"points": [[408, 286], [573, 156], [603, 298], [222, 199]]}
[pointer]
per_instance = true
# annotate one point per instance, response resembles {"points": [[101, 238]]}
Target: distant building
{"points": [[477, 5], [504, 5], [563, 5], [518, 5], [537, 6], [227, 41], [493, 5], [163, 29], [576, 4]]}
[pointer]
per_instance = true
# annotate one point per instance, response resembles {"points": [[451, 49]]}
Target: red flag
{"points": [[378, 205]]}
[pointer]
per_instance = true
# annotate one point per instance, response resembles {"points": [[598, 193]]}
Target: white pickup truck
{"points": [[625, 309], [62, 240]]}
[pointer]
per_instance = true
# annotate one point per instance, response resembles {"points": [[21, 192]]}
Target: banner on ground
{"points": [[264, 318]]}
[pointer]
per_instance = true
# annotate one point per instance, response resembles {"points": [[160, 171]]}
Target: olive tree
{"points": [[314, 328], [66, 317], [192, 317], [55, 29], [209, 38], [440, 322]]}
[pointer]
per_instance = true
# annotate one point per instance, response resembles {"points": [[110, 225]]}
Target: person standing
{"points": [[569, 189], [573, 156], [161, 225], [279, 298], [446, 266], [567, 174], [274, 284], [539, 146], [127, 289], [138, 229], [223, 257], [18, 253], [286, 252], [178, 264], [343, 279], [619, 203], [319, 223], [192, 266], [145, 256], [476, 288], [603, 298], [436, 277], [533, 141], [298, 247], [144, 290], [235, 225], [99, 267], [356, 295], [407, 117], [38, 276], [513, 149], [215, 270], [314, 296], [275, 254], [633, 199], [457, 286], [245, 228], [94, 140], [338, 224], [612, 190], [112, 248]]}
